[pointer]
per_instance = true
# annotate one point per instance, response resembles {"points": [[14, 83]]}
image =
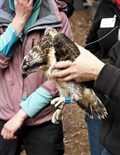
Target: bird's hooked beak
{"points": [[31, 64], [25, 67]]}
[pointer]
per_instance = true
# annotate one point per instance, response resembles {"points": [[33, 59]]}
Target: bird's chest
{"points": [[70, 89]]}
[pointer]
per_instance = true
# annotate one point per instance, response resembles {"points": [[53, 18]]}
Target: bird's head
{"points": [[41, 55], [53, 47]]}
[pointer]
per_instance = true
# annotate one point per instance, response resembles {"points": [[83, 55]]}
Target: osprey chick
{"points": [[52, 48]]}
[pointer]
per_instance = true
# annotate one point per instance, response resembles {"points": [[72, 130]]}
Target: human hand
{"points": [[85, 68], [23, 10], [11, 127]]}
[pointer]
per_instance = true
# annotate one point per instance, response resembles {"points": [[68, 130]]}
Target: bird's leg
{"points": [[59, 104], [57, 116]]}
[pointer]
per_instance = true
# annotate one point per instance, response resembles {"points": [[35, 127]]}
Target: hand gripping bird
{"points": [[56, 47]]}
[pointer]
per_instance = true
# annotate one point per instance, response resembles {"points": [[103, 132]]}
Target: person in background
{"points": [[104, 33], [22, 24], [70, 7], [88, 67]]}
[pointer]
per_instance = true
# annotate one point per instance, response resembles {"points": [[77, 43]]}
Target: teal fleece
{"points": [[36, 102]]}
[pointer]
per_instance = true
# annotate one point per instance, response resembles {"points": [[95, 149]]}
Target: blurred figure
{"points": [[79, 4], [104, 33]]}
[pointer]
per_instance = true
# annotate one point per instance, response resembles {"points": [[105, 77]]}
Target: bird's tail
{"points": [[92, 104], [99, 108]]}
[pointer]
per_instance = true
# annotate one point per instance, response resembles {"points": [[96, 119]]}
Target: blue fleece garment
{"points": [[36, 102], [7, 40]]}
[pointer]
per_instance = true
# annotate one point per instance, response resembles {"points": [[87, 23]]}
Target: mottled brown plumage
{"points": [[52, 48]]}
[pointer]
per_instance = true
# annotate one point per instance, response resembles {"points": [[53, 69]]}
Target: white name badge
{"points": [[108, 22]]}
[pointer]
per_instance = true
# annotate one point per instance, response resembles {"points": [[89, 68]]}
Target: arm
{"points": [[23, 11], [29, 108], [88, 67], [36, 102], [11, 127], [108, 81], [85, 68], [12, 33], [7, 41]]}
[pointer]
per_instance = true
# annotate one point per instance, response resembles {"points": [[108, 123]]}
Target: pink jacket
{"points": [[13, 87]]}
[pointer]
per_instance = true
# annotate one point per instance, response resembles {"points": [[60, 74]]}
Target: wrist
{"points": [[18, 24], [98, 69], [22, 115]]}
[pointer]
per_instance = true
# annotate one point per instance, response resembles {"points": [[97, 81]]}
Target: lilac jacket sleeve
{"points": [[7, 41]]}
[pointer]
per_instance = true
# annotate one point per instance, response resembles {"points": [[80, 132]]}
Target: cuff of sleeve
{"points": [[12, 30], [27, 109], [36, 102], [106, 79], [8, 41]]}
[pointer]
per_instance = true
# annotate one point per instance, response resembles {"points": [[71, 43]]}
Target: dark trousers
{"points": [[44, 139]]}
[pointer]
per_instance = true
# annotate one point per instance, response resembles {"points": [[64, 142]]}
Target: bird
{"points": [[43, 56]]}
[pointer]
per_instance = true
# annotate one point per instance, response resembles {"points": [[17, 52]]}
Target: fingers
{"points": [[7, 134], [31, 2], [61, 73], [63, 64], [64, 70], [66, 78]]}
